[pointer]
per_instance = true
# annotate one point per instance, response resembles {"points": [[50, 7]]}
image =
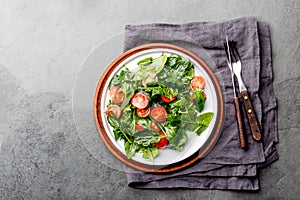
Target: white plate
{"points": [[195, 142]]}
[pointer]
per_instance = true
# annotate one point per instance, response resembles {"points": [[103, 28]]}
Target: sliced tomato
{"points": [[138, 127], [115, 109], [116, 96], [143, 113], [168, 100], [198, 82], [163, 142], [154, 127], [149, 80], [158, 113], [140, 100]]}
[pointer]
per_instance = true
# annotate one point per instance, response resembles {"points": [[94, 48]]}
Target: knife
{"points": [[251, 115]]}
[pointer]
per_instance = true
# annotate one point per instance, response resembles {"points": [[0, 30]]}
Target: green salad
{"points": [[158, 106]]}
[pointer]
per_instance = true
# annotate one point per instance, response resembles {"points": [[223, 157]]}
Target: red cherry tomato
{"points": [[149, 80], [116, 96], [116, 110], [163, 142], [154, 127], [138, 127], [198, 82], [140, 100], [158, 113], [143, 113], [168, 100]]}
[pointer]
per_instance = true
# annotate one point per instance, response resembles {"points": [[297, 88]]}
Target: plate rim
{"points": [[208, 145]]}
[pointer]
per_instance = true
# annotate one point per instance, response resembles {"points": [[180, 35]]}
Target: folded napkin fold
{"points": [[226, 166]]}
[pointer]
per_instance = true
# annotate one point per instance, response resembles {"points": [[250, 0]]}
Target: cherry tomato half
{"points": [[116, 96], [115, 109], [158, 113], [198, 82], [154, 127], [163, 142], [138, 127], [143, 113], [140, 100], [149, 80], [168, 100]]}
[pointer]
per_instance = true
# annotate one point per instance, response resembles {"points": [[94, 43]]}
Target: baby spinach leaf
{"points": [[203, 121], [150, 67], [145, 62]]}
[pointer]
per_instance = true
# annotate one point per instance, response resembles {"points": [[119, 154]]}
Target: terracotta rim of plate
{"points": [[157, 168]]}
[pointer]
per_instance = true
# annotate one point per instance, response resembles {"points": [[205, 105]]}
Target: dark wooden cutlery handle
{"points": [[243, 141], [252, 119]]}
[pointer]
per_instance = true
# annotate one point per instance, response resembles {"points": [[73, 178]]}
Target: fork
{"points": [[243, 141], [251, 115]]}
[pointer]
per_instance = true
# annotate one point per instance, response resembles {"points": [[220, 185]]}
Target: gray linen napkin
{"points": [[226, 166]]}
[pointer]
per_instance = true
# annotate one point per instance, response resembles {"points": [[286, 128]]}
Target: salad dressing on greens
{"points": [[157, 106]]}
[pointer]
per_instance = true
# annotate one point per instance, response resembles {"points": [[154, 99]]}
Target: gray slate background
{"points": [[42, 46]]}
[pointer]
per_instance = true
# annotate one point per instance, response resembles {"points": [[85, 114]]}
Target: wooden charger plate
{"points": [[197, 148]]}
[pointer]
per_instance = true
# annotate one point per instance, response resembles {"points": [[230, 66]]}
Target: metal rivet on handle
{"points": [[249, 111]]}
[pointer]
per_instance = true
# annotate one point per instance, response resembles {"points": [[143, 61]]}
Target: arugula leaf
{"points": [[199, 99], [150, 153], [147, 140], [144, 122], [159, 88], [130, 149], [120, 79], [174, 120], [173, 60], [127, 99], [177, 69], [179, 140], [113, 122], [126, 122], [169, 130]]}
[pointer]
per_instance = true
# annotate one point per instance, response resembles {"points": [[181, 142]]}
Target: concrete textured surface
{"points": [[42, 46]]}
